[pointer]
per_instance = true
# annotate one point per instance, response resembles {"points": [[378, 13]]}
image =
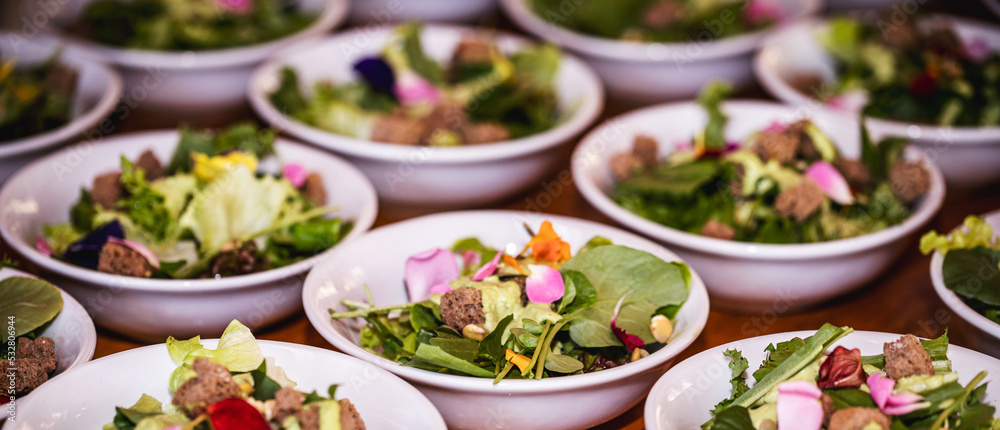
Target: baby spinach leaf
{"points": [[492, 346], [973, 274], [462, 348], [526, 339], [32, 303], [615, 271], [435, 355], [472, 244], [531, 326], [595, 242], [735, 418], [580, 293], [850, 397], [422, 317], [263, 386]]}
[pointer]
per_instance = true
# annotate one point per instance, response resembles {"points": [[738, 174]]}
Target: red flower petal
{"points": [[631, 341], [842, 369], [235, 414]]}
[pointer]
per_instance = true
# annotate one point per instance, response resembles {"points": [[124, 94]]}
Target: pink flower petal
{"points": [[905, 409], [831, 182], [893, 403], [240, 7], [295, 173], [140, 248], [881, 388], [440, 289], [775, 127], [798, 406], [762, 11], [42, 246], [544, 284], [488, 268], [426, 269], [471, 259], [683, 145], [411, 90], [851, 101]]}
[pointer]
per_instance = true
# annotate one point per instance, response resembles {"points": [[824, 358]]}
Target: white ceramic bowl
{"points": [[844, 5], [460, 176], [384, 11], [987, 332], [164, 87], [98, 90], [71, 401], [685, 395], [967, 155], [72, 329], [576, 401], [151, 309], [743, 276], [642, 73]]}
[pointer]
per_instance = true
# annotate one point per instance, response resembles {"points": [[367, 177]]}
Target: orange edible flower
{"points": [[547, 246], [519, 360], [512, 262]]}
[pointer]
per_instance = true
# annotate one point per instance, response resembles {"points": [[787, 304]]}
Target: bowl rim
{"points": [[697, 297], [76, 126], [334, 13], [649, 408], [191, 286], [780, 88], [929, 206], [955, 302], [292, 346], [589, 109], [88, 336], [641, 52]]}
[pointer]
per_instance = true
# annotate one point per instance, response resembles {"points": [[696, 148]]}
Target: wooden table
{"points": [[902, 300]]}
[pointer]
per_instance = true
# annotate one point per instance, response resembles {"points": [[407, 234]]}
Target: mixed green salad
{"points": [[234, 387], [223, 206], [802, 386], [483, 312], [403, 96], [34, 99], [195, 25], [919, 71], [661, 20], [29, 306], [787, 183], [971, 261]]}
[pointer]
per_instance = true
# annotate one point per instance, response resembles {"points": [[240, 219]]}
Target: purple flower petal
{"points": [[295, 173], [488, 268], [140, 248], [412, 90], [378, 75], [977, 49], [730, 147], [42, 246], [86, 251], [426, 269], [798, 406], [764, 11], [831, 182], [544, 284]]}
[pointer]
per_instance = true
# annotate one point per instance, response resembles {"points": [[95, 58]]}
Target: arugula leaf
{"points": [[777, 354], [491, 346], [436, 355], [734, 418], [463, 348], [263, 386], [738, 366], [145, 206]]}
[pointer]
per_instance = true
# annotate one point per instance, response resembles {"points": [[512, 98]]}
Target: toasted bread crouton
{"points": [[462, 307], [118, 259], [858, 418], [800, 200], [906, 357], [213, 383]]}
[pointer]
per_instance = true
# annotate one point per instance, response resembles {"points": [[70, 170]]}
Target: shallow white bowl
{"points": [[987, 336], [151, 309], [685, 395], [967, 155], [743, 276], [72, 402], [384, 11], [164, 87], [72, 330], [460, 176], [577, 401], [641, 73], [98, 89]]}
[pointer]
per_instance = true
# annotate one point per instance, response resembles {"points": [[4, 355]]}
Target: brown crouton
{"points": [[236, 261], [107, 190], [398, 129], [212, 384], [645, 149], [313, 189], [800, 200], [854, 171], [718, 230], [118, 259], [472, 51], [151, 165], [909, 180], [309, 417], [810, 84], [287, 402], [828, 408], [624, 165], [484, 132], [449, 116], [858, 418], [34, 361], [350, 419], [462, 307], [777, 146], [906, 357], [662, 14]]}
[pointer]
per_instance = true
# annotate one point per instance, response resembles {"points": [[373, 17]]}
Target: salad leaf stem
{"points": [[503, 373], [538, 349], [959, 402], [547, 346], [367, 311]]}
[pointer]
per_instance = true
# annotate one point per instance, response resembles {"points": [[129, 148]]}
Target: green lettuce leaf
{"points": [[975, 232], [31, 302]]}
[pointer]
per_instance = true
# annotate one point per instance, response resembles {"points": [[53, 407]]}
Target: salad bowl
{"points": [[683, 398], [206, 87], [987, 331], [150, 309], [377, 260], [745, 276], [643, 73], [72, 330], [98, 90], [964, 154], [383, 11], [70, 401], [423, 175]]}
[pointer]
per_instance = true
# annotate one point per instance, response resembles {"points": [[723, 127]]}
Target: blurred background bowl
{"points": [[385, 11]]}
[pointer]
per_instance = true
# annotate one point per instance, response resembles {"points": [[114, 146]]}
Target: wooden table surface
{"points": [[902, 300]]}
